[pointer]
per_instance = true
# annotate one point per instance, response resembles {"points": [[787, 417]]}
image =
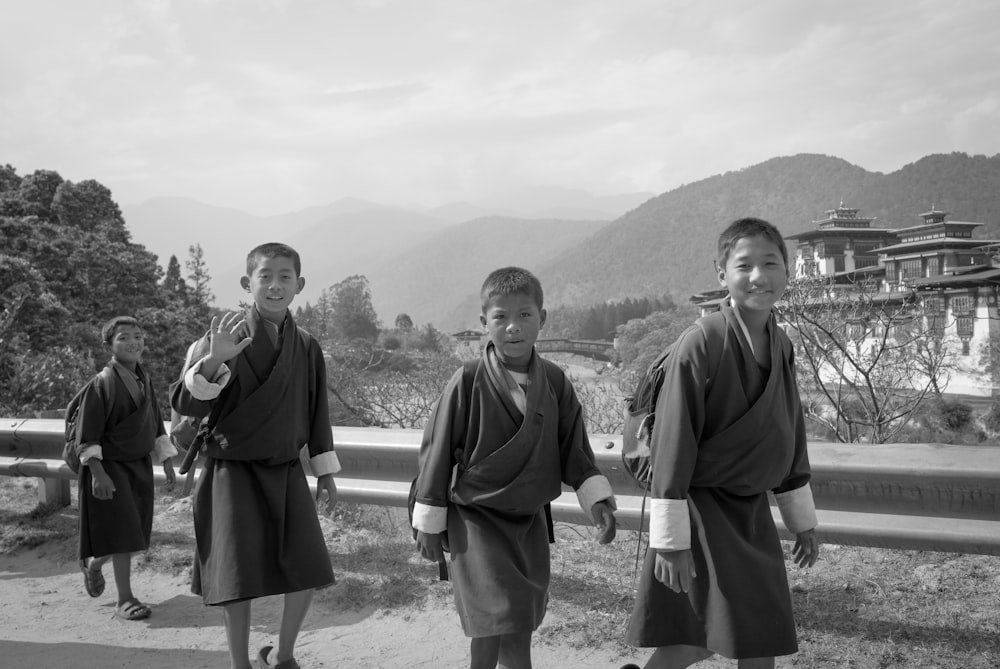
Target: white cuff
{"points": [[798, 510], [163, 449], [91, 451], [593, 490], [324, 463], [669, 524], [204, 389], [430, 519]]}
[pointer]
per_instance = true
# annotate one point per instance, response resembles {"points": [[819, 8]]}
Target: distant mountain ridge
{"points": [[429, 264], [348, 236], [667, 245]]}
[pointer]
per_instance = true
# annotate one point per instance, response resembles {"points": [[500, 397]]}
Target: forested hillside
{"points": [[667, 244], [67, 264]]}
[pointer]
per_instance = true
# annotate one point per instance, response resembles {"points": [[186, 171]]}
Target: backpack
{"points": [[71, 448], [640, 406]]}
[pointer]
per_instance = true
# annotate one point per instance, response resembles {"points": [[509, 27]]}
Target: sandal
{"points": [[262, 662], [133, 609], [93, 581]]}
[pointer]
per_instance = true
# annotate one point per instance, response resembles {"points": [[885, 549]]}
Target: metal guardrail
{"points": [[906, 496]]}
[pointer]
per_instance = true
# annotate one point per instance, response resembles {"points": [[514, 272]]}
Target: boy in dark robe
{"points": [[499, 443], [262, 382], [729, 428], [118, 444]]}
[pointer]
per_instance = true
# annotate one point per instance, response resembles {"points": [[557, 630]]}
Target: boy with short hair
{"points": [[262, 380], [118, 444], [729, 428], [511, 429]]}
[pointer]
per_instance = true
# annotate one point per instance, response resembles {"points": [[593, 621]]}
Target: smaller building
{"points": [[841, 242]]}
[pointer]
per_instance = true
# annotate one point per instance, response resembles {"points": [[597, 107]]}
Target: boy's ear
{"points": [[301, 284], [245, 282], [721, 274], [541, 322], [482, 320]]}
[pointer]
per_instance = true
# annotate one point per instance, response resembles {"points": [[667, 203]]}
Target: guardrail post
{"points": [[53, 491]]}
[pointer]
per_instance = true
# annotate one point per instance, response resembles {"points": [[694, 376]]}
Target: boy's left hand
{"points": [[604, 519], [326, 483], [806, 549]]}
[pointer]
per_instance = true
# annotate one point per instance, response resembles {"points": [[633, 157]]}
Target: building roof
{"points": [[939, 225], [853, 232], [937, 243], [979, 276]]}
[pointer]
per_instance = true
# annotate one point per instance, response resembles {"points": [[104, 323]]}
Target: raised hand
{"points": [[228, 335]]}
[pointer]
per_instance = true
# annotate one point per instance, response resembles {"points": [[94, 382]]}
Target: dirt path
{"points": [[47, 620]]}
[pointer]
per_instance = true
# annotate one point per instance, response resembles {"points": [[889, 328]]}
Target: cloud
{"points": [[278, 105]]}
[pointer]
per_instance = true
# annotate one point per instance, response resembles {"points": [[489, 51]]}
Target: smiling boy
{"points": [[511, 429], [118, 444], [729, 429], [262, 381]]}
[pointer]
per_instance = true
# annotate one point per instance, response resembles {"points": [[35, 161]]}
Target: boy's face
{"points": [[273, 285], [513, 322], [127, 344], [755, 274]]}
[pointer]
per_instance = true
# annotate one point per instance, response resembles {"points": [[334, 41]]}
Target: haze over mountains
{"points": [[585, 249]]}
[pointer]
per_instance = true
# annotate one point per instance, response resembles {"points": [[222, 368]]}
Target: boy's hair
{"points": [[108, 330], [273, 250], [510, 281], [749, 227]]}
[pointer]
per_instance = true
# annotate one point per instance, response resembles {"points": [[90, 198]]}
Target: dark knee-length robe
{"points": [[256, 528], [495, 469], [726, 432], [127, 436]]}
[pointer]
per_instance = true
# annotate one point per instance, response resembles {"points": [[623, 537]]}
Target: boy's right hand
{"points": [[430, 546], [101, 484], [675, 569], [229, 335]]}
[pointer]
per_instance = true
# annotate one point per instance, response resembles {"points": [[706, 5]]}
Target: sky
{"points": [[272, 106]]}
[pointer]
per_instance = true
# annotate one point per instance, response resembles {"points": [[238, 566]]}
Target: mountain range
{"points": [[585, 249]]}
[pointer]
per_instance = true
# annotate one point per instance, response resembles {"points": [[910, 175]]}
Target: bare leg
{"points": [[677, 657], [515, 651], [122, 564], [237, 619], [485, 652], [295, 609], [756, 663]]}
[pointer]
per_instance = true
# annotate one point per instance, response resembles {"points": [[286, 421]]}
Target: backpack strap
{"points": [[106, 379]]}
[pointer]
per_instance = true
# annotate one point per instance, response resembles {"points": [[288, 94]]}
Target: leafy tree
{"points": [[642, 339], [174, 285], [201, 295], [36, 193], [404, 322], [87, 205], [353, 315]]}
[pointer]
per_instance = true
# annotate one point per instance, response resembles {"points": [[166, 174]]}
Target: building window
{"points": [[964, 326], [934, 305], [961, 304], [856, 331], [911, 269]]}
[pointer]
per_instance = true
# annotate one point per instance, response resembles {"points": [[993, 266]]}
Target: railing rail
{"points": [[908, 496]]}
